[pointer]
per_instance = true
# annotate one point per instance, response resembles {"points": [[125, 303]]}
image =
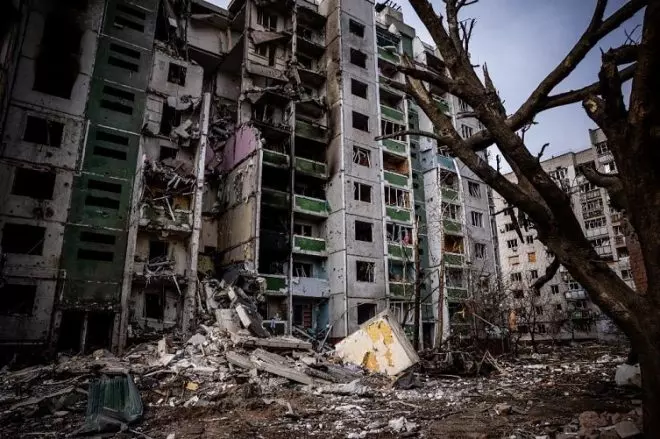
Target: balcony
{"points": [[400, 251], [311, 206], [310, 287], [311, 131], [308, 245], [580, 314], [442, 105], [160, 218], [275, 159], [392, 113], [619, 241], [398, 214], [453, 227], [575, 295], [275, 284], [387, 55], [449, 194], [402, 289], [396, 147], [457, 293], [396, 179], [311, 167], [384, 83], [446, 162], [455, 259], [275, 198]]}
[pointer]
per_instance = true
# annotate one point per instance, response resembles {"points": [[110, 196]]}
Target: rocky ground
{"points": [[565, 392]]}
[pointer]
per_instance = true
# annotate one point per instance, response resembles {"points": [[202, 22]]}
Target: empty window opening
{"points": [[365, 271], [23, 239], [474, 189], [154, 306], [533, 274], [104, 136], [356, 28], [518, 294], [466, 131], [170, 118], [116, 106], [302, 229], [117, 62], [99, 330], [130, 17], [116, 49], [158, 249], [105, 202], [558, 307], [554, 289], [43, 131], [33, 183], [538, 310], [397, 197], [16, 299], [360, 121], [97, 238], [512, 244], [123, 50], [113, 105], [167, 153], [453, 244], [359, 88], [70, 331], [396, 164], [176, 74], [363, 231], [362, 192], [303, 315], [529, 239], [104, 186], [477, 219], [361, 156], [387, 128], [95, 255], [479, 250], [516, 277], [451, 211], [365, 312], [58, 62], [110, 153], [399, 234], [267, 20], [303, 269], [358, 58]]}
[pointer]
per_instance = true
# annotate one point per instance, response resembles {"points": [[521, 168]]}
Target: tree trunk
{"points": [[649, 362]]}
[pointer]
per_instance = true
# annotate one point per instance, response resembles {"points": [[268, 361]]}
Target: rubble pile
{"points": [[175, 175]]}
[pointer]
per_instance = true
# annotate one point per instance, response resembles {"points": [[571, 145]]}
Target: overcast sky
{"points": [[523, 40]]}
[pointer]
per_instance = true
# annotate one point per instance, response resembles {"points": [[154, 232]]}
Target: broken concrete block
{"points": [[502, 409], [380, 345], [401, 425], [227, 320], [251, 321], [590, 420], [627, 375], [197, 340], [627, 429], [352, 388]]}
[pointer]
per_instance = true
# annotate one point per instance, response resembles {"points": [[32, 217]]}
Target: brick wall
{"points": [[636, 263]]}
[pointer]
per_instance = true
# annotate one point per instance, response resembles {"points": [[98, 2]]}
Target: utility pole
{"points": [[418, 287]]}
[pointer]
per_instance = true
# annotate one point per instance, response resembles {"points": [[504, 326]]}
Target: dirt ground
{"points": [[544, 394]]}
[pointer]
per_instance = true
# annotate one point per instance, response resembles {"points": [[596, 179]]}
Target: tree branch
{"points": [[608, 181], [549, 274], [409, 133]]}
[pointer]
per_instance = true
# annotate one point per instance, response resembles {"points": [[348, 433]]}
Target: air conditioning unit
{"points": [[277, 327]]}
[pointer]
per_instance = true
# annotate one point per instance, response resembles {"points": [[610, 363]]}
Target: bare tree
{"points": [[633, 133]]}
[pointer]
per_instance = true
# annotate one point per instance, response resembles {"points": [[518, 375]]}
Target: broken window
{"points": [[360, 121], [474, 189], [130, 17], [95, 255], [170, 119], [302, 229], [602, 148], [609, 167], [356, 28], [466, 131], [479, 250], [167, 153], [512, 244], [305, 62], [518, 294], [43, 131], [58, 62], [109, 201], [358, 58], [23, 239], [363, 231], [122, 63], [453, 244], [622, 252], [365, 271], [399, 234], [477, 219], [153, 306], [516, 277], [302, 269], [17, 299], [626, 274], [362, 192], [33, 183], [463, 105], [554, 289], [361, 156], [117, 140], [508, 227], [529, 239], [176, 74], [359, 88], [558, 307], [397, 197], [531, 257], [538, 310], [452, 211], [158, 249], [267, 20], [388, 128], [533, 274]]}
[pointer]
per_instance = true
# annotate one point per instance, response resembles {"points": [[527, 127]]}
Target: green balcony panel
{"points": [[442, 105], [308, 244], [396, 179], [387, 55], [397, 214], [313, 206], [275, 282], [275, 158], [392, 113], [395, 147], [446, 162], [452, 226], [311, 167], [275, 198], [457, 293], [311, 131], [402, 289], [449, 194], [453, 259], [400, 251]]}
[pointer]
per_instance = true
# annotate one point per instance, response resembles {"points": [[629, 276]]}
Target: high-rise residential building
{"points": [[177, 140], [563, 309]]}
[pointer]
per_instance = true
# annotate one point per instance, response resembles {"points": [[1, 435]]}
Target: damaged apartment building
{"points": [[150, 145]]}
